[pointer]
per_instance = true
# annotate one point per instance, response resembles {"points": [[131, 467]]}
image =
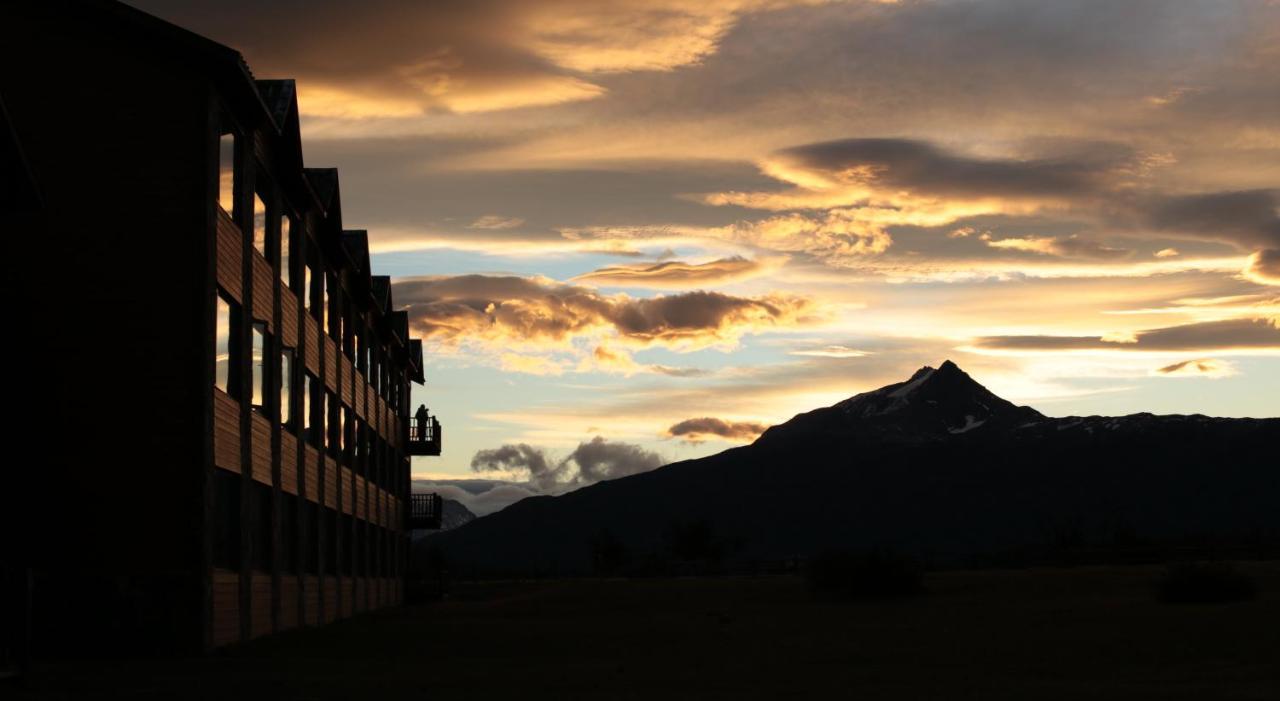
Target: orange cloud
{"points": [[499, 312], [678, 274], [1264, 267]]}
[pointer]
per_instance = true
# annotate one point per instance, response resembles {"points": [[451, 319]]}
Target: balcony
{"points": [[424, 435], [425, 511]]}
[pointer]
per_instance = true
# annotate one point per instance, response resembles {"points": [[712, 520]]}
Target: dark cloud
{"points": [[592, 461], [1204, 367], [1250, 219], [505, 309], [1264, 267], [1208, 335], [923, 168], [700, 429]]}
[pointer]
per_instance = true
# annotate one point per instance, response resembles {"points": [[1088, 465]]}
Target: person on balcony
{"points": [[420, 419]]}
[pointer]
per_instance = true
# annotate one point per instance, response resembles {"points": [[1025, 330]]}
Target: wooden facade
{"points": [[224, 513]]}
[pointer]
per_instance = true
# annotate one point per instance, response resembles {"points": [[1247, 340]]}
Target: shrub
{"points": [[874, 574], [1204, 583]]}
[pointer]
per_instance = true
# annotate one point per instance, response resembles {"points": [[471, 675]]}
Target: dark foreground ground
{"points": [[1085, 633]]}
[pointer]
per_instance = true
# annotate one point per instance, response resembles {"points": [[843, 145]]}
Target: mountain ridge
{"points": [[936, 465]]}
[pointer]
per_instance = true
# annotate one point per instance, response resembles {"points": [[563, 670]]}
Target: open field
{"points": [[1084, 633]]}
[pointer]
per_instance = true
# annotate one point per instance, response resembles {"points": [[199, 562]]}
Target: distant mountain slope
{"points": [[453, 515], [936, 465]]}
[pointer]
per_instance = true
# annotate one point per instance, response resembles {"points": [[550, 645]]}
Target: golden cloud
{"points": [[678, 274], [1264, 267], [1061, 246], [504, 312]]}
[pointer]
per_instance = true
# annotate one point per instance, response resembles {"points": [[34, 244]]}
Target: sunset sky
{"points": [[635, 231]]}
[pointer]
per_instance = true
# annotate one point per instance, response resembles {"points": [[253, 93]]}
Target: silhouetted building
{"points": [[212, 415]]}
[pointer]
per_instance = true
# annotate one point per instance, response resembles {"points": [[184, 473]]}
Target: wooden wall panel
{"points": [[330, 483], [260, 622], [311, 475], [310, 600], [261, 447], [344, 379], [288, 462], [348, 490], [361, 393], [226, 607], [230, 251], [264, 290], [288, 317], [361, 491], [371, 407], [311, 331], [289, 615], [226, 432], [330, 364]]}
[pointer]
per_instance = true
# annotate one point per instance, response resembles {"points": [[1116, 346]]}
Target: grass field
{"points": [[1084, 633]]}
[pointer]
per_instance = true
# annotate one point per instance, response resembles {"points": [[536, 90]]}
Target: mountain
{"points": [[453, 514], [937, 466]]}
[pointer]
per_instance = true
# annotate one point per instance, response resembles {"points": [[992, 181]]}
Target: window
{"points": [[259, 364], [286, 231], [289, 547], [312, 406], [261, 528], [344, 426], [226, 515], [286, 388], [226, 341], [362, 540], [259, 225], [308, 289], [330, 541], [227, 172], [310, 545], [331, 421], [345, 553], [325, 307]]}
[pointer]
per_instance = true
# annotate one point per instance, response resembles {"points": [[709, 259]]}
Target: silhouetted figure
{"points": [[420, 417]]}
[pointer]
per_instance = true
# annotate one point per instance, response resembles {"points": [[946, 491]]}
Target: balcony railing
{"points": [[424, 436], [425, 511]]}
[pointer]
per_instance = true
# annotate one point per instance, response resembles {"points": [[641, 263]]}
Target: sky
{"points": [[637, 231]]}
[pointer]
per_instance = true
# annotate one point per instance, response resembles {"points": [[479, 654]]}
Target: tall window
{"points": [[259, 364], [259, 225], [314, 423], [286, 387], [326, 286], [262, 554], [289, 533], [225, 344], [331, 421], [310, 517], [344, 424], [227, 172], [308, 288], [286, 230], [226, 526]]}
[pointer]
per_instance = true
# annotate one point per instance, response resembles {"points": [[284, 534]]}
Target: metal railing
{"points": [[424, 436], [425, 511]]}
